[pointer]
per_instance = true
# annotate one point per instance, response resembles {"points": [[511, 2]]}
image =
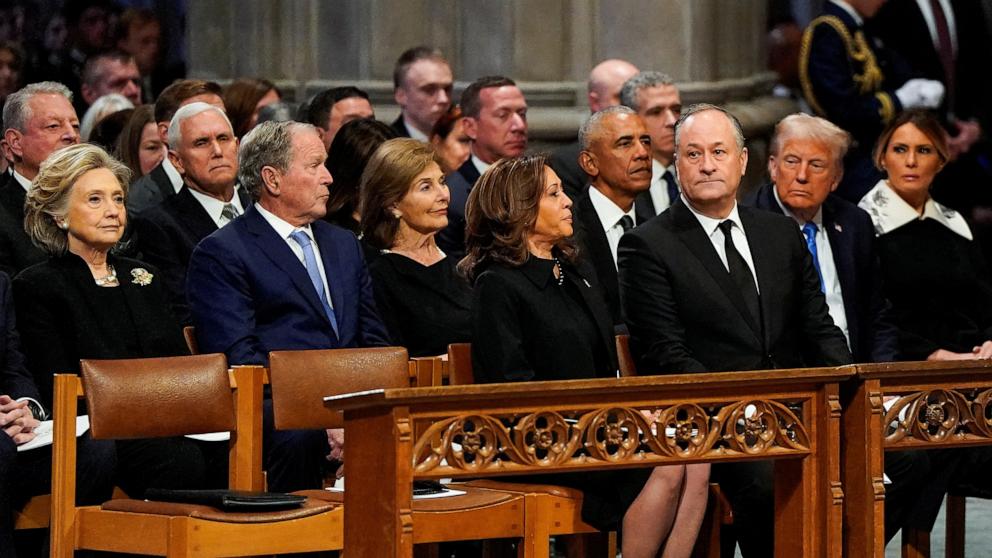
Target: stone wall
{"points": [[713, 48]]}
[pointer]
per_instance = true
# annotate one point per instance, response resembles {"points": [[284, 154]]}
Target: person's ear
{"points": [[743, 161], [270, 180], [471, 127], [163, 132], [13, 139], [176, 162], [589, 164]]}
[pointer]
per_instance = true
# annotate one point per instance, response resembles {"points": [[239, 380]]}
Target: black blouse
{"points": [[525, 326], [64, 316], [425, 308], [939, 287]]}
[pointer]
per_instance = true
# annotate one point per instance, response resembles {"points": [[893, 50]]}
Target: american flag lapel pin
{"points": [[838, 227]]}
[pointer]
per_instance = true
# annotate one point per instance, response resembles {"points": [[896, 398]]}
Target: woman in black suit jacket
{"points": [[420, 296], [537, 316], [86, 303]]}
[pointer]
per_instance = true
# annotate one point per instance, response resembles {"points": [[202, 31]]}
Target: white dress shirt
{"points": [[828, 269], [609, 217], [480, 166], [659, 188], [215, 207], [284, 229], [952, 27], [174, 177], [24, 182], [711, 227], [413, 131], [850, 11]]}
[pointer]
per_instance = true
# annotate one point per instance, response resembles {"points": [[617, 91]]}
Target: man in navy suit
{"points": [[279, 278], [496, 119], [806, 164]]}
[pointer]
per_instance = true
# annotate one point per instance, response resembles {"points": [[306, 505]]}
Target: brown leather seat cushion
{"points": [[527, 488], [472, 499], [310, 507]]}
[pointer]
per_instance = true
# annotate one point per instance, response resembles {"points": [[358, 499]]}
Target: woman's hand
{"points": [[335, 439], [944, 354], [983, 351]]}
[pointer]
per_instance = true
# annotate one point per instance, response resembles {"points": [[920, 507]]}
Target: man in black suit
{"points": [[164, 181], [709, 286], [496, 119], [332, 108], [605, 81], [616, 153], [422, 85], [658, 102], [806, 165], [39, 119], [205, 152]]}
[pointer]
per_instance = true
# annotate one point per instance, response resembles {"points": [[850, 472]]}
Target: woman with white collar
{"points": [[932, 267]]}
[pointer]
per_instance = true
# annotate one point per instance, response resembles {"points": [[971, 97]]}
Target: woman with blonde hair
{"points": [[85, 302], [403, 204]]}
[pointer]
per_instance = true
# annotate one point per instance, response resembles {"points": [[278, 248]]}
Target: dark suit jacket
{"points": [[595, 249], [685, 314], [565, 162], [249, 294], [902, 26], [168, 233], [852, 241], [16, 249], [15, 380], [62, 321], [452, 238], [149, 191], [400, 127]]}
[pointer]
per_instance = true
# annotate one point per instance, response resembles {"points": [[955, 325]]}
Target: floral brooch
{"points": [[140, 276]]}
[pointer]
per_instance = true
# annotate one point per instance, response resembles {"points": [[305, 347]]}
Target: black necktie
{"points": [[673, 188], [740, 273], [626, 223]]}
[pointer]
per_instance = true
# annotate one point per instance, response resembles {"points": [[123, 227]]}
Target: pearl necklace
{"points": [[561, 272], [109, 280]]}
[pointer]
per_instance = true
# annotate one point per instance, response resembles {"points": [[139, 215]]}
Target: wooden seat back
{"points": [[189, 334], [158, 397], [624, 360], [301, 379], [460, 364]]}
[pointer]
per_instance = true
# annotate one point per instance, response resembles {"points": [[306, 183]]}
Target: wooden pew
{"points": [[942, 405], [791, 416]]}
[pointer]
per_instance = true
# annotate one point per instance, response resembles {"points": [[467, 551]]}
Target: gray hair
{"points": [[591, 126], [189, 111], [49, 196], [643, 80], [17, 111], [270, 144], [104, 106], [702, 107], [813, 128]]}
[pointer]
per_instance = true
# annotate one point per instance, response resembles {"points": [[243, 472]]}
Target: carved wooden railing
{"points": [[904, 406], [791, 416]]}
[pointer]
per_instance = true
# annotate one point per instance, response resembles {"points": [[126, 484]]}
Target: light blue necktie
{"points": [[809, 231], [310, 260]]}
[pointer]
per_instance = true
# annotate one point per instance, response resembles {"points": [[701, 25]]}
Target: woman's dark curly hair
{"points": [[501, 213]]}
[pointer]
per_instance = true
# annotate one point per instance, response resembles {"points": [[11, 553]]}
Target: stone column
{"points": [[714, 49]]}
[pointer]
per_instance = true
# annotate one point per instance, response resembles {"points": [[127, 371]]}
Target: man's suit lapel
{"points": [[594, 240], [12, 195], [276, 250], [843, 251], [763, 264], [192, 215], [161, 179], [691, 233], [644, 207], [469, 172]]}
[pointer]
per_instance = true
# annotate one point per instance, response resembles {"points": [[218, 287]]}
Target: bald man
{"points": [[605, 82]]}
